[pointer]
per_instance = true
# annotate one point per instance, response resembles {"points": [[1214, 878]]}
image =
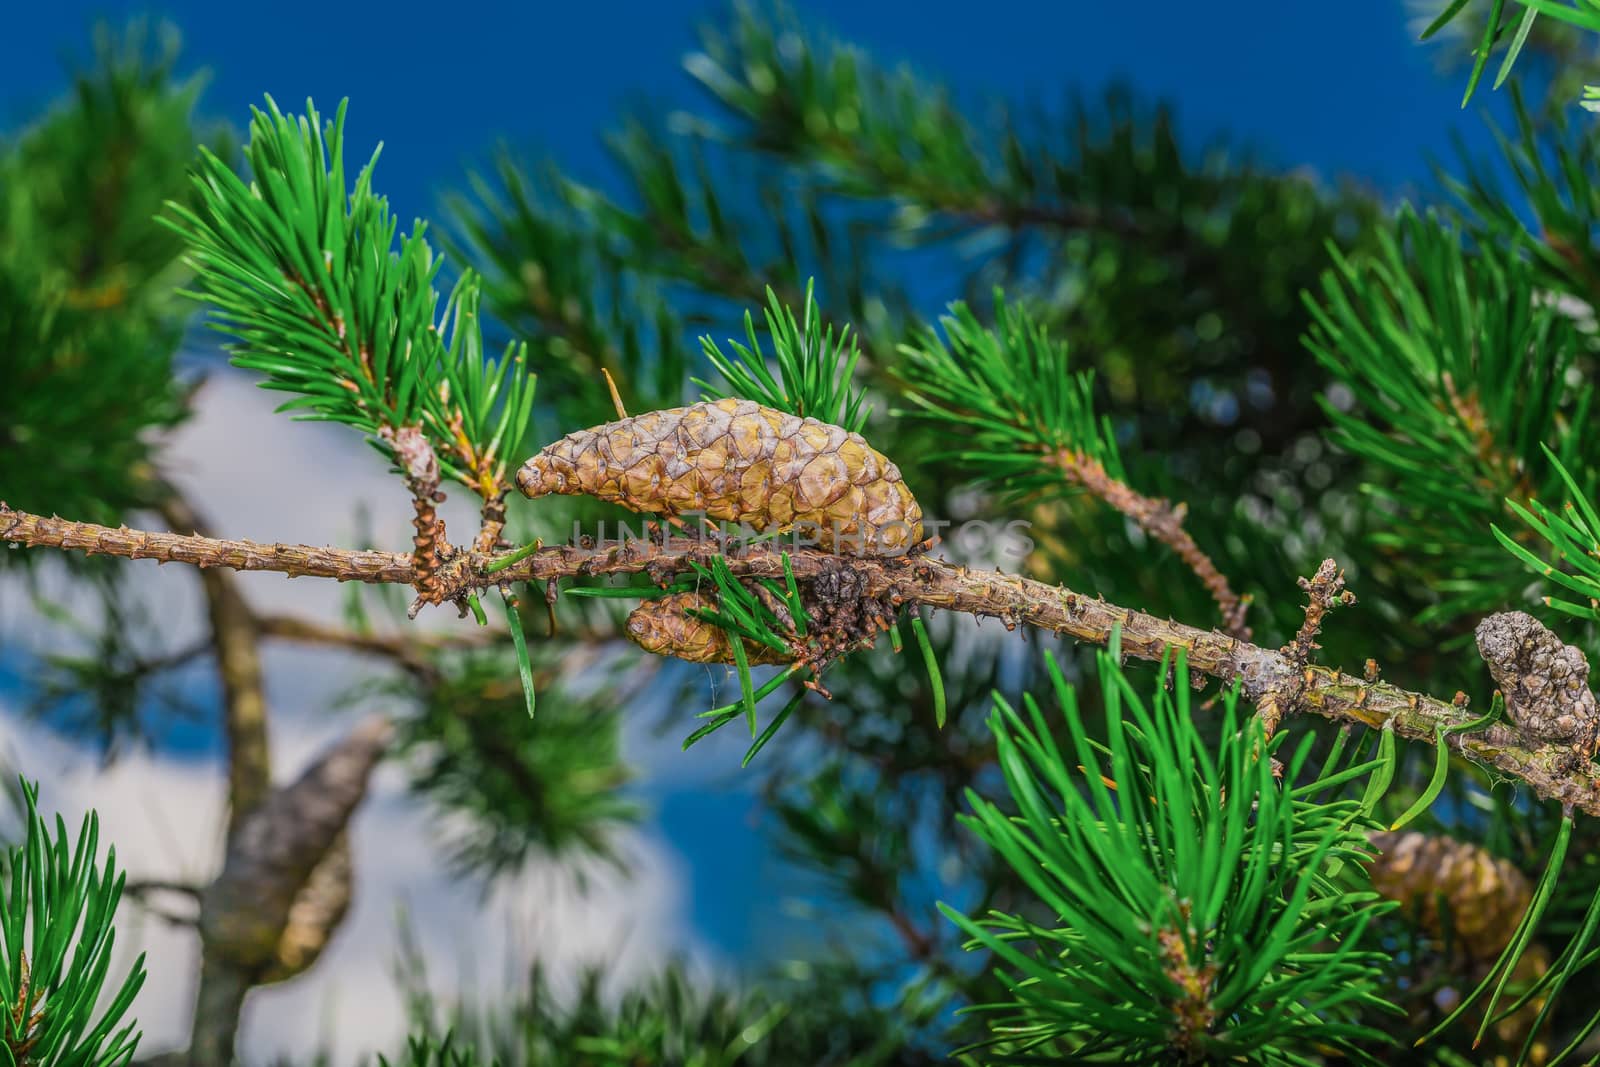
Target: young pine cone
{"points": [[1469, 898], [665, 627], [736, 461], [1546, 683], [1483, 896]]}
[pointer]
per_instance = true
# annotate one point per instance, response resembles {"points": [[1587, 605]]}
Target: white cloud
{"points": [[164, 817], [471, 946], [256, 475]]}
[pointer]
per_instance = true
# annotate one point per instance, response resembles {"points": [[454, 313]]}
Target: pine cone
{"points": [[1484, 896], [665, 627], [736, 461], [1545, 682]]}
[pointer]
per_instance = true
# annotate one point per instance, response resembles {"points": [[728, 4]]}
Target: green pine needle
{"points": [[1425, 799], [1161, 859], [519, 641], [814, 366], [931, 662], [302, 269], [57, 905], [1010, 396]]}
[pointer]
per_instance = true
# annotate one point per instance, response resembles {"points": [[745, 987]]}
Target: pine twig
{"points": [[905, 582], [379, 568], [1164, 522], [1324, 590], [142, 886], [493, 525], [1512, 474], [140, 892], [420, 469], [409, 652]]}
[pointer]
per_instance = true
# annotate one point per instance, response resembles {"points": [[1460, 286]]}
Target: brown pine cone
{"points": [[1545, 682], [736, 461], [1484, 896], [665, 627]]}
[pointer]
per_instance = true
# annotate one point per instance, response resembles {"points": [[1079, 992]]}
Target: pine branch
{"points": [[1469, 389], [90, 320], [552, 787], [411, 653], [904, 582], [1027, 422], [1325, 590], [420, 468], [58, 898], [318, 909], [1162, 521], [206, 552], [302, 270], [550, 279]]}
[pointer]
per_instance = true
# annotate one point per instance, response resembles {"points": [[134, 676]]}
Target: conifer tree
{"points": [[1312, 561]]}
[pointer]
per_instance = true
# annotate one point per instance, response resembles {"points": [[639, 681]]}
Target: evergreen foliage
{"points": [[669, 1018], [1025, 852], [86, 282], [549, 787], [1011, 393], [302, 270], [1462, 374], [814, 367], [1195, 903], [56, 938]]}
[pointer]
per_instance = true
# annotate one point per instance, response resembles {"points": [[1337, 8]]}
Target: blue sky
{"points": [[1343, 89]]}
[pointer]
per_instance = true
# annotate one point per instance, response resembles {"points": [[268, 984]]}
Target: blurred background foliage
{"points": [[92, 316], [1308, 371]]}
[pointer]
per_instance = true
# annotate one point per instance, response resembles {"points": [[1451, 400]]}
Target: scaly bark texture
{"points": [[318, 909], [420, 468], [413, 653], [914, 581], [236, 641], [271, 858], [206, 552], [226, 976], [1324, 590], [736, 461]]}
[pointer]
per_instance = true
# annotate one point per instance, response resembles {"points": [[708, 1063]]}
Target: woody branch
{"points": [[1162, 520], [903, 581], [421, 471]]}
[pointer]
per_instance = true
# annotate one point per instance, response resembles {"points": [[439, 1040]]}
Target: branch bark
{"points": [[410, 653], [227, 974], [914, 581], [248, 915], [1163, 521]]}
